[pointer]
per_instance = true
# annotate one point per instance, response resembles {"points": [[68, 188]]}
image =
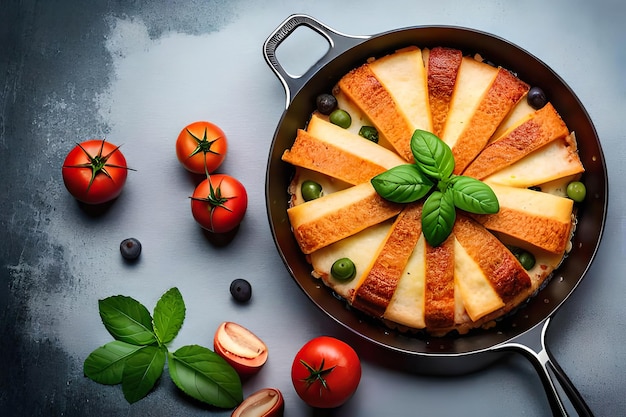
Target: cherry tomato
{"points": [[219, 203], [95, 171], [241, 348], [326, 372], [201, 147]]}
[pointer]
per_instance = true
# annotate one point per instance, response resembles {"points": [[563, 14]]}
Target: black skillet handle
{"points": [[551, 374], [338, 43]]}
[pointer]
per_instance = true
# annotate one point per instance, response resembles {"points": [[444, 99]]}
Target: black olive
{"points": [[536, 98], [241, 290], [130, 248], [326, 103]]}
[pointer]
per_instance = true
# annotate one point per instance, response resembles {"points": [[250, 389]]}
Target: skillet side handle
{"points": [[550, 373], [338, 43]]}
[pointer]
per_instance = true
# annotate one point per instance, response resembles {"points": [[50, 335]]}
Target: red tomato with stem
{"points": [[201, 147], [326, 372], [95, 171], [219, 203]]}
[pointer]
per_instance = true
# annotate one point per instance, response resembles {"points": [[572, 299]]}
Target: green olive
{"points": [[577, 191], [525, 258], [340, 118], [369, 132], [343, 269], [310, 190]]}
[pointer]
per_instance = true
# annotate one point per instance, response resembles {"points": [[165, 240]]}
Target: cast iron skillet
{"points": [[447, 355]]}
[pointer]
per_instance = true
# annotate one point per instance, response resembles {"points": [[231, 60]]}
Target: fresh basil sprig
{"points": [[402, 184], [137, 356], [434, 165]]}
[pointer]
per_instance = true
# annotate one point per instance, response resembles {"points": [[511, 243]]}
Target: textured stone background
{"points": [[136, 73]]}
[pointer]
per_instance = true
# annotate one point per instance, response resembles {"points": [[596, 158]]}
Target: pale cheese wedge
{"points": [[556, 160], [403, 75], [520, 113], [479, 297], [407, 304], [361, 248], [472, 82]]}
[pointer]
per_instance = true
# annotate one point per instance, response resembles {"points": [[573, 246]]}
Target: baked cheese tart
{"points": [[373, 252]]}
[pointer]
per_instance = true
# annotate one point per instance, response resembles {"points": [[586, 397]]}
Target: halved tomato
{"points": [[266, 402], [241, 348]]}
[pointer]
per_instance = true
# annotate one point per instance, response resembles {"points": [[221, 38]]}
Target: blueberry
{"points": [[536, 98], [130, 248], [241, 290], [326, 103]]}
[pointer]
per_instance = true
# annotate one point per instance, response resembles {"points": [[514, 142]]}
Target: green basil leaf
{"points": [[402, 184], [205, 376], [169, 314], [141, 372], [127, 320], [438, 216], [433, 156], [474, 196], [106, 364]]}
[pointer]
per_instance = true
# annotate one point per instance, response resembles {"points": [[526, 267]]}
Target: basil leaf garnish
{"points": [[473, 195], [106, 364], [137, 358], [169, 314], [434, 164], [205, 376], [127, 320], [438, 216], [433, 156], [402, 184], [141, 371]]}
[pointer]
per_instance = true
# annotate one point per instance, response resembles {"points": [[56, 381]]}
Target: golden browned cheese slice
{"points": [[558, 159], [543, 127], [502, 95], [505, 274], [334, 151], [443, 66], [403, 75], [542, 220], [328, 219], [363, 88], [379, 285], [439, 302]]}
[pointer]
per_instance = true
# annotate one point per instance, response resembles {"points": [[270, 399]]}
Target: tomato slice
{"points": [[266, 402], [241, 348]]}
